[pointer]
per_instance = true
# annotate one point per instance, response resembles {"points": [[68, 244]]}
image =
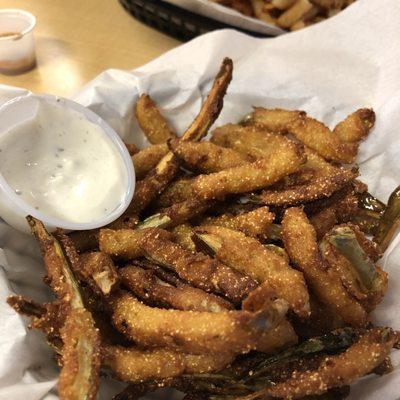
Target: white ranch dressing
{"points": [[63, 165]]}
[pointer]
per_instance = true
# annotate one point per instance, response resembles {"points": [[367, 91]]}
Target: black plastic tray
{"points": [[175, 21]]}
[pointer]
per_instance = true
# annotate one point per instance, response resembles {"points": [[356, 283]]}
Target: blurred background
{"points": [[78, 39]]}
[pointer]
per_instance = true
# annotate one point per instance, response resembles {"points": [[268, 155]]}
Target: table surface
{"points": [[78, 39]]}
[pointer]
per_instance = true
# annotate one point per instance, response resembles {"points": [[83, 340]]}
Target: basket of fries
{"points": [[189, 18], [173, 20], [241, 270]]}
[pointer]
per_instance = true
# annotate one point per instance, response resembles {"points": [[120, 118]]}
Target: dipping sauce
{"points": [[63, 165]]}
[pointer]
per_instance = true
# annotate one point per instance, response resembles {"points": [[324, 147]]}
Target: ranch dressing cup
{"points": [[17, 45], [61, 163]]}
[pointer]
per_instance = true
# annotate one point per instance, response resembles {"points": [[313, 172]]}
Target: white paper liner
{"points": [[329, 70]]}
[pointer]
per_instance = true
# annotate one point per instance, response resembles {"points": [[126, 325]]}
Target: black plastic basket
{"points": [[174, 21]]}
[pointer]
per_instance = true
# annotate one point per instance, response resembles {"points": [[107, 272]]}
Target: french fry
{"points": [[298, 25], [263, 265], [137, 365], [241, 6], [282, 4], [356, 126], [195, 332], [254, 223], [261, 13], [294, 13], [145, 285], [300, 242], [252, 176], [150, 120], [206, 157], [197, 269], [331, 4], [147, 159]]}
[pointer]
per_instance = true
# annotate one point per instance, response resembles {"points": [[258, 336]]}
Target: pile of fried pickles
{"points": [[243, 269], [288, 14]]}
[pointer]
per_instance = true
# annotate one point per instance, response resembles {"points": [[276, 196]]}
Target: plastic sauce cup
{"points": [[13, 209], [17, 45]]}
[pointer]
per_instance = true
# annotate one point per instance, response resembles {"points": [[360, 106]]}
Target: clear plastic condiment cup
{"points": [[17, 45], [13, 209]]}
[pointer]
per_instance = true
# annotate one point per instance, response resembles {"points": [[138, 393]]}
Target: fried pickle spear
{"points": [[311, 132], [81, 356], [253, 223], [182, 234], [206, 157], [252, 141], [85, 240], [300, 242], [251, 176], [145, 285], [150, 120], [147, 159], [196, 268], [79, 377], [356, 126], [390, 221], [357, 361], [321, 187], [177, 192], [176, 214], [95, 269], [249, 256], [247, 374], [99, 270], [165, 171], [193, 331], [137, 365], [123, 244], [274, 120], [344, 250], [48, 318], [342, 210]]}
